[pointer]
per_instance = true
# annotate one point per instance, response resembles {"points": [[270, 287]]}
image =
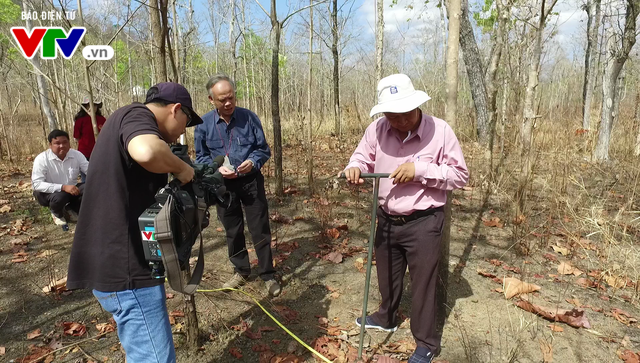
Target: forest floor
{"points": [[319, 248]]}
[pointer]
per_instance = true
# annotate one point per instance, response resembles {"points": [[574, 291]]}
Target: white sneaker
{"points": [[58, 221]]}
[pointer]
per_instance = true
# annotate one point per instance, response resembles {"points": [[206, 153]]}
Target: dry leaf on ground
{"points": [[5, 208], [547, 351], [2, 350], [385, 359], [556, 328], [59, 285], [73, 328], [105, 328], [335, 257], [235, 352], [333, 233], [616, 281], [574, 317], [493, 222], [513, 287], [34, 334], [286, 358], [565, 268], [561, 250], [628, 356], [359, 263]]}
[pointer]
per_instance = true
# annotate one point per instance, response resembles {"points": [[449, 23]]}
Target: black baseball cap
{"points": [[174, 93]]}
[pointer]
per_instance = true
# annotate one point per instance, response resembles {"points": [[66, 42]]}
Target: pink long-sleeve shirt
{"points": [[433, 148]]}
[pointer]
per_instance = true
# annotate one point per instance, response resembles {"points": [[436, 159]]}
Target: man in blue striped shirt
{"points": [[236, 133]]}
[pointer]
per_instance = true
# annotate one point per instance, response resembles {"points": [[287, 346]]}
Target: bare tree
{"points": [[276, 30], [337, 122], [451, 112], [232, 38], [529, 112], [87, 78], [43, 89], [593, 23], [309, 130], [616, 59], [379, 37], [158, 41]]}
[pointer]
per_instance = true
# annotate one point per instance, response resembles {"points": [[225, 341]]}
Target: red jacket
{"points": [[83, 132]]}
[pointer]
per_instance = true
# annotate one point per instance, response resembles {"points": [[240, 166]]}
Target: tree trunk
{"points": [[276, 28], [379, 38], [309, 103], [190, 314], [244, 58], [158, 42], [476, 74], [232, 39], [337, 122], [593, 10], [43, 89], [529, 111], [453, 43], [87, 80], [499, 40], [637, 123], [176, 40], [615, 62]]}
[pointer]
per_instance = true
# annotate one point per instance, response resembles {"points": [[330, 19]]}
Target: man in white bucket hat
{"points": [[425, 160]]}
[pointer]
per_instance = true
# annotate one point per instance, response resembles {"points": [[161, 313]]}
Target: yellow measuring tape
{"points": [[274, 319]]}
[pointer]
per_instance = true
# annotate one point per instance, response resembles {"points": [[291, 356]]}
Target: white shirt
{"points": [[50, 173]]}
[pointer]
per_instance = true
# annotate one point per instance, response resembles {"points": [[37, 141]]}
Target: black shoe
{"points": [[421, 355], [370, 324]]}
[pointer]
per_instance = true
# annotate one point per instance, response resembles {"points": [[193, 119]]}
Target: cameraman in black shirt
{"points": [[129, 164]]}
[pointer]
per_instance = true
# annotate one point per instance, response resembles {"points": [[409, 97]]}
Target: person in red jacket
{"points": [[83, 130]]}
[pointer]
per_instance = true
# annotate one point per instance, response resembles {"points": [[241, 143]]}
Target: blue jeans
{"points": [[143, 323]]}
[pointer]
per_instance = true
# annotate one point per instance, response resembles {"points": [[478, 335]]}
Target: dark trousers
{"points": [[248, 193], [58, 200], [415, 244]]}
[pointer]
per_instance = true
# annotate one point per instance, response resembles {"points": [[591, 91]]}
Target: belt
{"points": [[402, 220]]}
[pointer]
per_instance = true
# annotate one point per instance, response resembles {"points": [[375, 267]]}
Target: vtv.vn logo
{"points": [[50, 40]]}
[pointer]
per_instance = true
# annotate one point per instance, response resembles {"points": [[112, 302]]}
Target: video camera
{"points": [[189, 214]]}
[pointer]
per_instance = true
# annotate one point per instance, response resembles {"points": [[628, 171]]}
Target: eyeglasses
{"points": [[188, 116]]}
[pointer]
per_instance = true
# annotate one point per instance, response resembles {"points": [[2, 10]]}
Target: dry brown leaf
{"points": [[561, 250], [565, 268], [335, 257], [5, 208], [493, 222], [359, 263], [617, 282], [333, 233], [286, 358], [105, 328], [385, 359], [34, 334], [547, 351], [574, 317], [575, 302], [73, 328], [628, 356], [59, 285], [235, 352], [46, 253], [513, 287], [177, 314], [556, 328]]}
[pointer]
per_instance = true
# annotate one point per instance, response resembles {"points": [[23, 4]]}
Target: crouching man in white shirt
{"points": [[55, 178]]}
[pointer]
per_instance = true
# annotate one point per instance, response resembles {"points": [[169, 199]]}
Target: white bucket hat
{"points": [[397, 95]]}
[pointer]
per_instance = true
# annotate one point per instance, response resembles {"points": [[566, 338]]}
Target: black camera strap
{"points": [[164, 237]]}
